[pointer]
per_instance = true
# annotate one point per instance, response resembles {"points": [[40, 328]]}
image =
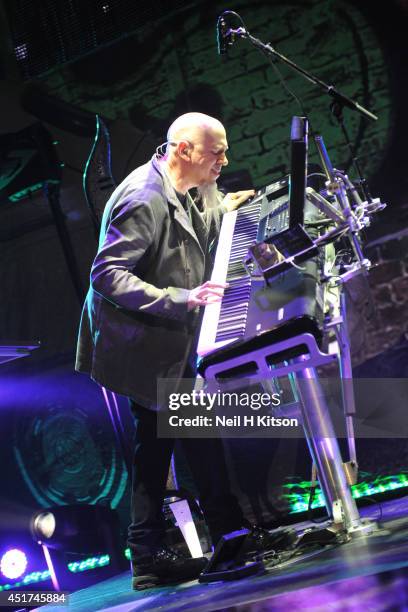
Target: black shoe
{"points": [[165, 566], [260, 540]]}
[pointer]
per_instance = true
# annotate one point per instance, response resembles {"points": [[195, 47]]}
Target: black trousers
{"points": [[150, 470]]}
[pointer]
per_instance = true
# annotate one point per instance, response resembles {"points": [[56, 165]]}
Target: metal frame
{"points": [[315, 414]]}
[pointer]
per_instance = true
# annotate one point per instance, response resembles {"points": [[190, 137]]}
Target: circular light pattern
{"points": [[65, 456], [13, 564]]}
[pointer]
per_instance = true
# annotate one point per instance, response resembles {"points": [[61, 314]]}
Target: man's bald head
{"points": [[196, 151], [192, 127]]}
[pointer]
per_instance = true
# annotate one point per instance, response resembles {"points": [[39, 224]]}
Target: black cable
{"points": [[287, 88], [235, 15]]}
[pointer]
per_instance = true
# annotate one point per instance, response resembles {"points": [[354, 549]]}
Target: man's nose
{"points": [[224, 160]]}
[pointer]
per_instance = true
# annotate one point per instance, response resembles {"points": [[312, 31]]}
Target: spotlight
{"points": [[43, 526], [78, 530], [13, 564], [75, 527]]}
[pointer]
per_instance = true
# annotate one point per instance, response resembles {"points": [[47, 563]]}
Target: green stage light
{"points": [[25, 193], [88, 564], [298, 495], [31, 578]]}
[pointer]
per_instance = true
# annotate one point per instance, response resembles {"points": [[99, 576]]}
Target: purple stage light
{"points": [[13, 563]]}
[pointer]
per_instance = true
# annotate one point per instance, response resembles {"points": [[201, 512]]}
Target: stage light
{"points": [[89, 564], [64, 531], [13, 564], [44, 525], [76, 527], [297, 495]]}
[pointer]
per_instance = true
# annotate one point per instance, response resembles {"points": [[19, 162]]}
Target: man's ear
{"points": [[184, 150]]}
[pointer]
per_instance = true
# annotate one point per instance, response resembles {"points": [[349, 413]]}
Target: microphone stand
{"points": [[340, 100], [267, 48]]}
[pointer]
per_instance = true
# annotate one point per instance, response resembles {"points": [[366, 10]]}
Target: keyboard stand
{"points": [[314, 411]]}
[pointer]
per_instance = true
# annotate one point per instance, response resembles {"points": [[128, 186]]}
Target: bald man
{"points": [[148, 281]]}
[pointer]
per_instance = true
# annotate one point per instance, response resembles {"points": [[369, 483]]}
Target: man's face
{"points": [[208, 156]]}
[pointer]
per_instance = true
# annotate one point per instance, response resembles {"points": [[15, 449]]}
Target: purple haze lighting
{"points": [[13, 563]]}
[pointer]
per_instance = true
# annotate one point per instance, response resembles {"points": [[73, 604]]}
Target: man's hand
{"points": [[233, 200], [205, 294]]}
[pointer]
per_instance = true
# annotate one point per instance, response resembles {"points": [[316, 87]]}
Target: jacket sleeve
{"points": [[128, 235]]}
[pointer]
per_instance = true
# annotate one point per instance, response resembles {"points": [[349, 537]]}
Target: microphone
{"points": [[222, 46]]}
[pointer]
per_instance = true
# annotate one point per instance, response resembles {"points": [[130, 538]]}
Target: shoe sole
{"points": [[149, 581], [172, 575]]}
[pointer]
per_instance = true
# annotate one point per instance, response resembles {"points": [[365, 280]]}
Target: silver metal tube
{"points": [[324, 447], [324, 157], [346, 374]]}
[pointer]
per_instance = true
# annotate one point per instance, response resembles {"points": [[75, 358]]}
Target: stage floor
{"points": [[368, 574]]}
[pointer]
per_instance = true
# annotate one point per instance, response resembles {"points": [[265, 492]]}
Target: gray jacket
{"points": [[135, 327]]}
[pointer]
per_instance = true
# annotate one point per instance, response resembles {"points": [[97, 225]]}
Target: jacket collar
{"points": [[198, 230]]}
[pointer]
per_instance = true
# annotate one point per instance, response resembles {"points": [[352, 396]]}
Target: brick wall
{"points": [[389, 286], [174, 68]]}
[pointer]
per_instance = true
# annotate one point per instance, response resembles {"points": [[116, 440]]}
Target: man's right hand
{"points": [[205, 294]]}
